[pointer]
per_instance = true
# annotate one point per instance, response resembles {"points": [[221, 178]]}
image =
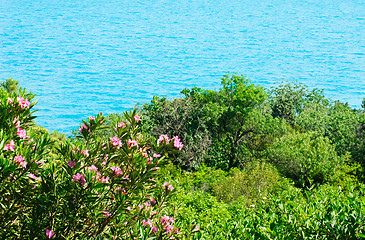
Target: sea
{"points": [[82, 57]]}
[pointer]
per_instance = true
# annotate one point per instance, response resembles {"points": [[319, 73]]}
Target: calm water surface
{"points": [[82, 57]]}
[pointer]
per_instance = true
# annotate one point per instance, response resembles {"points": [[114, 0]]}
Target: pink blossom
{"points": [[23, 164], [20, 161], [155, 168], [71, 164], [137, 118], [10, 100], [168, 186], [25, 103], [34, 177], [132, 143], [163, 139], [82, 128], [93, 168], [121, 125], [106, 214], [101, 178], [196, 228], [49, 233], [10, 146], [155, 155], [21, 133], [154, 229], [85, 152], [116, 142], [177, 143], [117, 171], [149, 161], [148, 222], [79, 178], [91, 118]]}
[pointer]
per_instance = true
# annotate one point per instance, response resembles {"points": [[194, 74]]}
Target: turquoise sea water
{"points": [[82, 57]]}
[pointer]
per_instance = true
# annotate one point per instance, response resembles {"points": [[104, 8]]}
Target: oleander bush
{"points": [[95, 187]]}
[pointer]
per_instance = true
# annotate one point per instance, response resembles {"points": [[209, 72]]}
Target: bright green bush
{"points": [[256, 180], [306, 158]]}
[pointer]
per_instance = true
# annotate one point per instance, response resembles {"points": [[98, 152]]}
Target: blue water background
{"points": [[82, 57]]}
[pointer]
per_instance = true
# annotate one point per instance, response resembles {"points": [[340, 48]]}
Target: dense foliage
{"points": [[249, 163]]}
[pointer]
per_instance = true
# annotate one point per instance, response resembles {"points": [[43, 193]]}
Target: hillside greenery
{"points": [[242, 162]]}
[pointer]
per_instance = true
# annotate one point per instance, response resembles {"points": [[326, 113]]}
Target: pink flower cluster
{"points": [[79, 178], [82, 128], [149, 223], [71, 164], [121, 125], [168, 186], [10, 146], [85, 152], [24, 103], [177, 143], [21, 133], [101, 178], [116, 171], [93, 168], [137, 118], [49, 234], [20, 161], [164, 139], [116, 142], [167, 224], [132, 143]]}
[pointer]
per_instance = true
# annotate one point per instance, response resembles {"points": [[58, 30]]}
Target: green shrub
{"points": [[306, 158], [256, 180]]}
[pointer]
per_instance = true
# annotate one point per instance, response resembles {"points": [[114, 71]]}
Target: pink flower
{"points": [[168, 186], [34, 177], [155, 155], [93, 168], [23, 164], [91, 118], [163, 139], [82, 128], [10, 146], [121, 125], [49, 233], [116, 142], [196, 228], [154, 229], [149, 161], [117, 171], [79, 178], [102, 179], [137, 118], [21, 133], [20, 161], [71, 164], [132, 143], [177, 143], [85, 152], [25, 103], [10, 100], [148, 222], [106, 214]]}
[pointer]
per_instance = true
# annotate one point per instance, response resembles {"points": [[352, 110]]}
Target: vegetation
{"points": [[242, 162]]}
